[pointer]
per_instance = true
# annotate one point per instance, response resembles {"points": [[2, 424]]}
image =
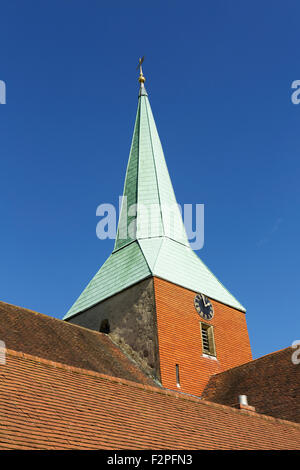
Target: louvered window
{"points": [[205, 340], [207, 336]]}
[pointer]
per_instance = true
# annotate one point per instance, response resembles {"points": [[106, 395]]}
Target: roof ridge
{"points": [[61, 365], [252, 360], [23, 308], [149, 388], [155, 168], [273, 352], [72, 325]]}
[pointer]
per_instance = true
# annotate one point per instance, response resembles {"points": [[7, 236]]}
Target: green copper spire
{"points": [[151, 238], [148, 186]]}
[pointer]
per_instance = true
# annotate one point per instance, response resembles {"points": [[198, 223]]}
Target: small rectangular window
{"points": [[177, 376], [207, 336]]}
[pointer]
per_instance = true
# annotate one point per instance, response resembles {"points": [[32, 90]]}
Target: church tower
{"points": [[153, 295]]}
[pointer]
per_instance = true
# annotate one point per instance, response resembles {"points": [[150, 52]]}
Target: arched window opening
{"points": [[104, 327]]}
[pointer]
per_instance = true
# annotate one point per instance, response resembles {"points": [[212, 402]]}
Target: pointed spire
{"points": [[150, 204]]}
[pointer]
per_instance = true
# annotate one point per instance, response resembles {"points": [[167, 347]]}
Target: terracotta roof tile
{"points": [[271, 382], [54, 406], [58, 341]]}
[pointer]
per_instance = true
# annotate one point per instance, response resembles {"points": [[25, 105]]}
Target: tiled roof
{"points": [[49, 338], [45, 405], [159, 245], [272, 384]]}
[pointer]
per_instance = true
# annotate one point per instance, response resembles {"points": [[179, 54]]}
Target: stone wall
{"points": [[132, 322]]}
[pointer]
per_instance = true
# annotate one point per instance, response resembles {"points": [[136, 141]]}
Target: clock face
{"points": [[204, 306]]}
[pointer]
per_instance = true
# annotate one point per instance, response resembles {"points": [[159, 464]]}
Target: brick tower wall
{"points": [[179, 338]]}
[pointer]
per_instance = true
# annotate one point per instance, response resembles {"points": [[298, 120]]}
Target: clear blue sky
{"points": [[219, 77]]}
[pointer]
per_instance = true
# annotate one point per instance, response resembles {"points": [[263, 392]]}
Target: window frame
{"points": [[211, 339]]}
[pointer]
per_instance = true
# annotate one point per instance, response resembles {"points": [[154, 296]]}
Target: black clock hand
{"points": [[203, 300]]}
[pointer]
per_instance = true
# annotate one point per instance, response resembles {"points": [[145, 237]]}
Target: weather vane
{"points": [[141, 77]]}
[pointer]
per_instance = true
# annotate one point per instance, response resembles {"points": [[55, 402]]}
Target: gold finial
{"points": [[141, 77]]}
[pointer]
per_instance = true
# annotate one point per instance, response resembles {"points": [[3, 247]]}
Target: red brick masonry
{"points": [[178, 325]]}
